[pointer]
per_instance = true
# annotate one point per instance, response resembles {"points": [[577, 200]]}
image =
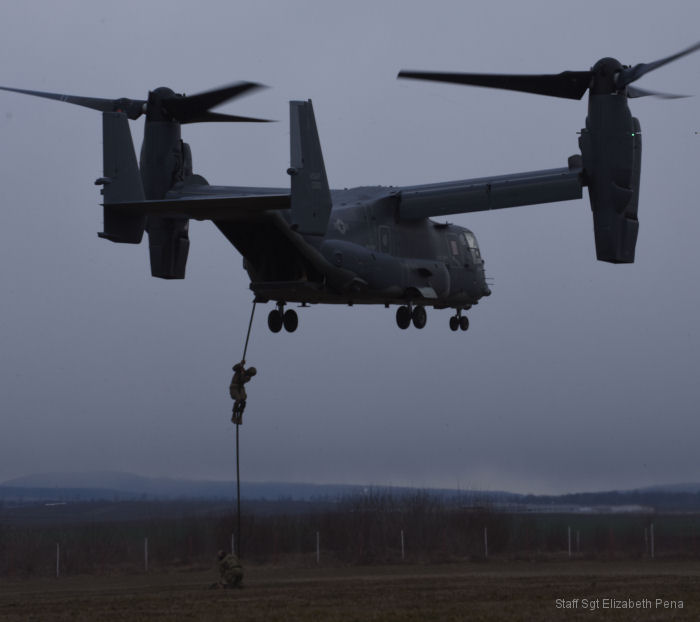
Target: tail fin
{"points": [[310, 197], [121, 182]]}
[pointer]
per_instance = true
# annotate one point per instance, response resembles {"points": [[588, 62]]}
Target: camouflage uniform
{"points": [[230, 570], [236, 389]]}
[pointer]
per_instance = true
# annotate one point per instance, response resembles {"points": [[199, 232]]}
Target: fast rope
{"points": [[238, 423], [250, 324]]}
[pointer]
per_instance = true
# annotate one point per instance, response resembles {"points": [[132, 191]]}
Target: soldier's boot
{"points": [[238, 408]]}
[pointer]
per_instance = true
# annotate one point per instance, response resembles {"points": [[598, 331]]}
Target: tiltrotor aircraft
{"points": [[368, 245]]}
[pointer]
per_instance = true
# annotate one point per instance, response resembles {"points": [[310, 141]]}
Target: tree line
{"points": [[372, 528]]}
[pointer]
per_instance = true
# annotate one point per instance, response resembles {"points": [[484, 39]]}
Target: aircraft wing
{"points": [[487, 193], [207, 206]]}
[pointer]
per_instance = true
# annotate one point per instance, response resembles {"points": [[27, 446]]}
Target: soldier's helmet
{"points": [[252, 371]]}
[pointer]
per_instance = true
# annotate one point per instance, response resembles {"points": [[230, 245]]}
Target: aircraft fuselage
{"points": [[366, 257]]}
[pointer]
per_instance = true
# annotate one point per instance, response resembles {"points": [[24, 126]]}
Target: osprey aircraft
{"points": [[309, 244]]}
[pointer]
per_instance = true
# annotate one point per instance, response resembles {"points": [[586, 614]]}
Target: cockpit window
{"points": [[470, 240]]}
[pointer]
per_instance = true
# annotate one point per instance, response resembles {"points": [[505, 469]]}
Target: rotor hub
{"points": [[155, 110], [164, 92], [605, 76]]}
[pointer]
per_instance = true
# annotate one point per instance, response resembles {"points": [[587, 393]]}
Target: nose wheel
{"points": [[459, 321], [278, 318]]}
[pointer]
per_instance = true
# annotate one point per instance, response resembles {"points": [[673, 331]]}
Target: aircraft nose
{"points": [[485, 289]]}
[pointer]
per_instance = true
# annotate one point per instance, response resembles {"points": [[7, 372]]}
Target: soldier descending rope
{"points": [[241, 376]]}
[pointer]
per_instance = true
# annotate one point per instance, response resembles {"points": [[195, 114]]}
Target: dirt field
{"points": [[472, 591]]}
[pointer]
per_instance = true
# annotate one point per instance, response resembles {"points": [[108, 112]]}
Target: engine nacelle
{"points": [[165, 160], [611, 146]]}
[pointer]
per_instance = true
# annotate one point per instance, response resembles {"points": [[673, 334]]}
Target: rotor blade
{"points": [[635, 91], [567, 84], [630, 74], [207, 116], [188, 108], [131, 106]]}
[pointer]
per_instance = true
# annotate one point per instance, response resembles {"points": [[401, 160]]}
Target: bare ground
{"points": [[468, 591]]}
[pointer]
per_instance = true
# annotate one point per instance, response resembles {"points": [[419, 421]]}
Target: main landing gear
{"points": [[277, 318], [406, 314]]}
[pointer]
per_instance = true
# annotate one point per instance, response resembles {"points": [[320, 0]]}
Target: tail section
{"points": [[121, 182], [310, 195], [165, 160]]}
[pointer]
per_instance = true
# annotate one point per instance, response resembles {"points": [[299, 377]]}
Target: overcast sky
{"points": [[575, 375]]}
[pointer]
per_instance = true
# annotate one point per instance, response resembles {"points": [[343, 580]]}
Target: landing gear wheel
{"points": [[291, 320], [464, 322], [454, 322], [274, 321], [420, 317], [403, 317]]}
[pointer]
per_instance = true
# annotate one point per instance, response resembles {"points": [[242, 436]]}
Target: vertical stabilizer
{"points": [[121, 181], [310, 196]]}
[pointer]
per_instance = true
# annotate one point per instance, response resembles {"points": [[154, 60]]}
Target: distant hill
{"points": [[118, 486], [111, 485], [672, 488]]}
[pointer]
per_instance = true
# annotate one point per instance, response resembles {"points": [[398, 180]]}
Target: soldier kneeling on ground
{"points": [[230, 570]]}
